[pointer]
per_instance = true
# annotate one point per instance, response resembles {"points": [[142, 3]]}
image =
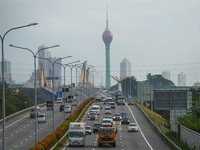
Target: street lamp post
{"points": [[35, 56], [64, 66], [53, 63], [3, 83]]}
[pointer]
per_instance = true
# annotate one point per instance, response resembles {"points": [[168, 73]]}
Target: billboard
{"points": [[172, 99]]}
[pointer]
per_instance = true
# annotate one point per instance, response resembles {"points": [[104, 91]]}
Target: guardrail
{"points": [[158, 128], [21, 111]]}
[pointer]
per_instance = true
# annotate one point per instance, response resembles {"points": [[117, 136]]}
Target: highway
{"points": [[145, 139], [20, 130]]}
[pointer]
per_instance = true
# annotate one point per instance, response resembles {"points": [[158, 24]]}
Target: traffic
{"points": [[114, 128]]}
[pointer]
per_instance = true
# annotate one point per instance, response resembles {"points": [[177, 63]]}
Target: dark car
{"points": [[96, 127], [92, 116], [125, 120], [62, 107], [117, 117], [124, 114], [112, 105]]}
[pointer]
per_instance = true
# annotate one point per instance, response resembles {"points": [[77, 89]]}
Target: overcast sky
{"points": [[155, 35]]}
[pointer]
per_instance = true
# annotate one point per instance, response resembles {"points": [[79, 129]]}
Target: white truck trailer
{"points": [[76, 134]]}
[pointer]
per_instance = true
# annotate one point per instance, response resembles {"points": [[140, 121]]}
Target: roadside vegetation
{"points": [[14, 102], [164, 125]]}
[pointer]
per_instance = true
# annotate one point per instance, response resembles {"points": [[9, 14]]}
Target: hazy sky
{"points": [[155, 35]]}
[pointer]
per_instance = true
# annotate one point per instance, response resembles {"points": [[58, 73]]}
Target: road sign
{"points": [[51, 78]]}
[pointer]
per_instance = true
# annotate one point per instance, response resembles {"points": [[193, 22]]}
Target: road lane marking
{"points": [[139, 128], [15, 122]]}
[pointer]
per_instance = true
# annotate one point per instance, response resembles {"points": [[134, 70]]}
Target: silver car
{"points": [[133, 127]]}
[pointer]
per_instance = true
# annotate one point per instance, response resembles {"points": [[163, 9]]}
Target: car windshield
{"points": [[112, 104], [41, 116], [97, 125], [106, 131], [132, 124], [76, 134], [117, 115], [109, 117], [106, 121], [88, 128]]}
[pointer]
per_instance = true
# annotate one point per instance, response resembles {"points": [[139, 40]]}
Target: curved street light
{"points": [[35, 56], [3, 84], [53, 63]]}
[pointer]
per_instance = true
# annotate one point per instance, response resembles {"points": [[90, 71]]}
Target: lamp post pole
{"points": [[64, 66], [3, 82], [35, 56], [53, 97]]}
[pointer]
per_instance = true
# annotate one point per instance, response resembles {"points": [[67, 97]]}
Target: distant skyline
{"points": [[155, 35]]}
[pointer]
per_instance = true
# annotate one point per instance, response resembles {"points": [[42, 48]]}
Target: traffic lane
{"points": [[129, 140], [151, 135], [91, 141]]}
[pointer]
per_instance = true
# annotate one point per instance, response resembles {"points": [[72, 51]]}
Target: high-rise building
{"points": [[7, 71], [181, 79], [125, 68], [166, 75], [107, 38], [46, 68]]}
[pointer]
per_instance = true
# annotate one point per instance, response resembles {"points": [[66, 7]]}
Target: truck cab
{"points": [[107, 135], [76, 134]]}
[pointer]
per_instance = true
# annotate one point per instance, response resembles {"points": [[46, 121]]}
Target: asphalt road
{"points": [[145, 139], [20, 130]]}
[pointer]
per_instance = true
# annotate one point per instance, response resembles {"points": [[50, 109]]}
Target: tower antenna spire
{"points": [[107, 16]]}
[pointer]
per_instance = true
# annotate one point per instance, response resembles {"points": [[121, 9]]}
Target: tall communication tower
{"points": [[107, 38]]}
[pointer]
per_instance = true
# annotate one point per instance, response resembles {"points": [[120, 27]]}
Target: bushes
{"points": [[51, 139]]}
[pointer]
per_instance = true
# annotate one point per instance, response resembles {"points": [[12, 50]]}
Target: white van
{"points": [[96, 108], [67, 108], [59, 100], [107, 110], [41, 118]]}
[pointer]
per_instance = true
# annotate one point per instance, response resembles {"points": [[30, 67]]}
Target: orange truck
{"points": [[107, 135]]}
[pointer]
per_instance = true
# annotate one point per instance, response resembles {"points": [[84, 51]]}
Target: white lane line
{"points": [[15, 122], [139, 128]]}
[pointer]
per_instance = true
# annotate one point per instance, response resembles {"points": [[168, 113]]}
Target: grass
{"points": [[164, 126]]}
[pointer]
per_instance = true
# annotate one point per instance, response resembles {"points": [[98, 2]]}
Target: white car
{"points": [[132, 127], [88, 130], [107, 120], [107, 110], [41, 118], [67, 108]]}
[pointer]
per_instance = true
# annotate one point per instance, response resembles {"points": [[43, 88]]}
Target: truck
{"points": [[49, 105], [107, 135], [76, 134]]}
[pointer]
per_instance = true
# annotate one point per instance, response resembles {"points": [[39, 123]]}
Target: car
{"points": [[96, 127], [125, 120], [107, 110], [59, 100], [123, 114], [90, 111], [130, 103], [96, 108], [92, 116], [41, 118], [74, 102], [88, 130], [112, 105], [67, 108], [62, 107], [107, 120], [120, 102], [117, 117], [132, 127]]}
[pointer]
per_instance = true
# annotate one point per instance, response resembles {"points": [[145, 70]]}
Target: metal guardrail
{"points": [[21, 111], [158, 128]]}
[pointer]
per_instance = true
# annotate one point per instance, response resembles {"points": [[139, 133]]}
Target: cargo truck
{"points": [[76, 134], [107, 135], [49, 105]]}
